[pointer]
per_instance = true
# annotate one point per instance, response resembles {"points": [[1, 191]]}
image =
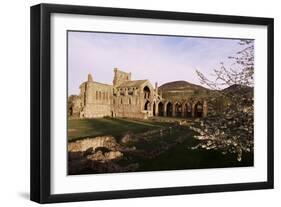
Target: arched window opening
{"points": [[146, 92], [147, 106]]}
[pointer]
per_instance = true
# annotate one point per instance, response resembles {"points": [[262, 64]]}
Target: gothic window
{"points": [[97, 95], [130, 93], [146, 92], [147, 105]]}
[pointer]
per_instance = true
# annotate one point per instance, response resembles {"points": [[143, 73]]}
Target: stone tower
{"points": [[120, 77], [89, 90], [90, 78]]}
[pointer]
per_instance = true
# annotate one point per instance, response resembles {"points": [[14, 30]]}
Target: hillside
{"points": [[180, 84], [239, 88], [182, 89]]}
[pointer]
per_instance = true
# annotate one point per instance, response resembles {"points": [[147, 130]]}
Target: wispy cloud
{"points": [[157, 58]]}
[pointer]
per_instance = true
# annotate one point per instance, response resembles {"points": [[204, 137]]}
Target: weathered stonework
{"points": [[129, 98]]}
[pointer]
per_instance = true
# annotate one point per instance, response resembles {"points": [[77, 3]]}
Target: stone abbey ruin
{"points": [[145, 136], [133, 99]]}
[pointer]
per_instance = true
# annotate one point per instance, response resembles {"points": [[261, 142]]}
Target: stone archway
{"points": [[160, 109], [178, 110], [154, 109], [198, 110], [147, 106], [169, 109], [187, 109]]}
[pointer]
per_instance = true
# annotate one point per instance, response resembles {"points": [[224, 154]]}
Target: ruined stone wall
{"points": [[127, 106], [97, 100], [74, 106], [120, 77]]}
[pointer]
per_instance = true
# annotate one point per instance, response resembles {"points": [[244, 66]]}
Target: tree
{"points": [[231, 129], [241, 72]]}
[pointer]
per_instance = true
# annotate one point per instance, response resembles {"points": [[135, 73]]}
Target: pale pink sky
{"points": [[157, 58]]}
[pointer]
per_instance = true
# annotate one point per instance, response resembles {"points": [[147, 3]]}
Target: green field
{"points": [[178, 157], [115, 127]]}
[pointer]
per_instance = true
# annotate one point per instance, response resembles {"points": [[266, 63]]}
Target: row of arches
{"points": [[188, 110]]}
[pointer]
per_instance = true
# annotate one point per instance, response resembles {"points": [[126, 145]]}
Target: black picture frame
{"points": [[41, 99]]}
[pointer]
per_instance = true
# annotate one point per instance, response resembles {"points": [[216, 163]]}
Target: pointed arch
{"points": [[160, 109], [177, 109], [147, 105], [146, 92], [169, 109], [187, 109], [198, 109]]}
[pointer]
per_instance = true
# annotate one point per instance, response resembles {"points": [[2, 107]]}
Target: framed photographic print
{"points": [[132, 103]]}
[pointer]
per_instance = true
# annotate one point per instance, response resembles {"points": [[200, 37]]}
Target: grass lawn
{"points": [[175, 158], [115, 127], [181, 157]]}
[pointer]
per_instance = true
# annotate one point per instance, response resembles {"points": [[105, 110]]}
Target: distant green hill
{"points": [[183, 90], [236, 88]]}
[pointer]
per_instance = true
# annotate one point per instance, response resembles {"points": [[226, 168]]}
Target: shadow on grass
{"points": [[176, 158]]}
